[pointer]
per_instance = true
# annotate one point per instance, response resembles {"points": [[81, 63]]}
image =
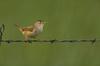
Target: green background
{"points": [[67, 19]]}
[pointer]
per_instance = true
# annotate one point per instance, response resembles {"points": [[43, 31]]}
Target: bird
{"points": [[31, 31]]}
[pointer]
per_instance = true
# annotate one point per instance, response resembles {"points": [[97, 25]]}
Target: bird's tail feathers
{"points": [[18, 27]]}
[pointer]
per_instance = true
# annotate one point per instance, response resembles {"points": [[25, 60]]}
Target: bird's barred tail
{"points": [[18, 27]]}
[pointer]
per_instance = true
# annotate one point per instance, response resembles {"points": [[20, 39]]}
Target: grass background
{"points": [[67, 19]]}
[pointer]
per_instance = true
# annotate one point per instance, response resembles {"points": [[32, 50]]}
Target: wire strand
{"points": [[54, 41]]}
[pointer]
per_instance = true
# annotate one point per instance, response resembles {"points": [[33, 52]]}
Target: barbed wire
{"points": [[2, 29], [53, 41]]}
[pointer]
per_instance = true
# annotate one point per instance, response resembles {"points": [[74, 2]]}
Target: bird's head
{"points": [[39, 25]]}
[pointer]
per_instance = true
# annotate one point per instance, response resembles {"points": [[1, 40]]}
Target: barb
{"points": [[54, 41], [2, 28]]}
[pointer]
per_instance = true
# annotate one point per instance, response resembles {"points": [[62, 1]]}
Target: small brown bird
{"points": [[33, 30]]}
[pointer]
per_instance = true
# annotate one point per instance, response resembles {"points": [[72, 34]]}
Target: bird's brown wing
{"points": [[27, 29]]}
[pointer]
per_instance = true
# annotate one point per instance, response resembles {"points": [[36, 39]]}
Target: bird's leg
{"points": [[26, 41], [26, 38]]}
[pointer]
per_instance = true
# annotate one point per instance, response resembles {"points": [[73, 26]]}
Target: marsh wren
{"points": [[33, 30]]}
